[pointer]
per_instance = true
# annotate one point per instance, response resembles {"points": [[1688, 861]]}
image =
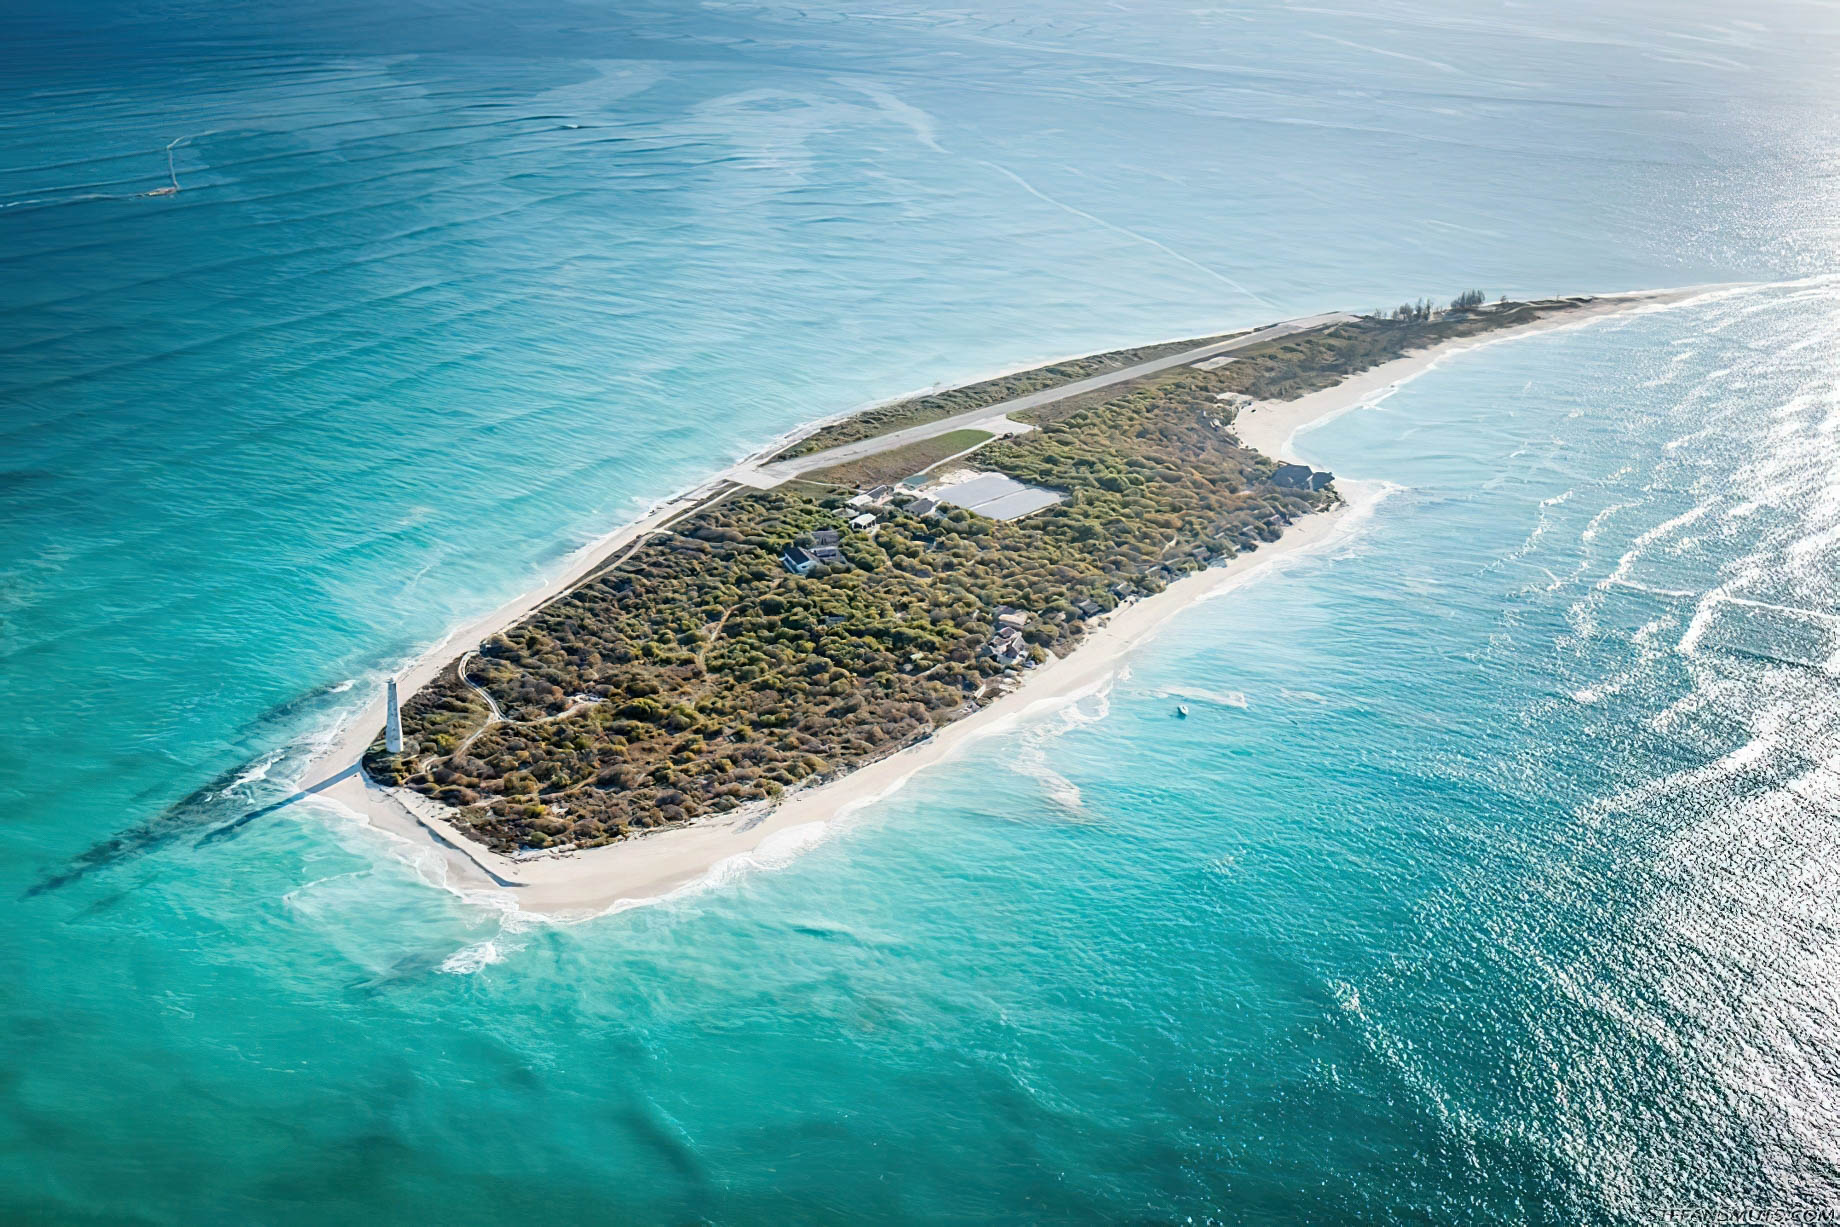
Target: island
{"points": [[832, 607]]}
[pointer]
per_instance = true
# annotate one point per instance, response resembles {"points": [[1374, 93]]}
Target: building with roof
{"points": [[1007, 646], [998, 495], [801, 560], [1300, 477]]}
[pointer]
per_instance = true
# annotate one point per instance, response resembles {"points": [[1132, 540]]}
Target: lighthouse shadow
{"points": [[230, 829], [273, 742], [175, 822]]}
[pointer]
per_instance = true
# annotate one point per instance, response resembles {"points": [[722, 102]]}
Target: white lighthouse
{"points": [[392, 723]]}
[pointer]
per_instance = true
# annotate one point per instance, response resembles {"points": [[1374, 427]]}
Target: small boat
{"points": [[1182, 710]]}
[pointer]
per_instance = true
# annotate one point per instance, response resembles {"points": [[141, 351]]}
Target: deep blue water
{"points": [[1491, 881]]}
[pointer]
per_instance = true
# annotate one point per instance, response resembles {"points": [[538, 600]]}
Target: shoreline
{"points": [[593, 882], [1270, 426], [596, 881]]}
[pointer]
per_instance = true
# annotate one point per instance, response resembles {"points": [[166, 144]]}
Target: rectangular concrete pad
{"points": [[998, 496]]}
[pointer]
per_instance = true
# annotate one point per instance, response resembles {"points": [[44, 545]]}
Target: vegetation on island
{"points": [[1304, 362], [898, 415], [696, 673]]}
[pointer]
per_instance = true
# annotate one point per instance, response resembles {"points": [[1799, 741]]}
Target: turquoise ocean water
{"points": [[1491, 881]]}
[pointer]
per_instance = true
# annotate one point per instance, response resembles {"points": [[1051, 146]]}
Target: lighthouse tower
{"points": [[392, 723]]}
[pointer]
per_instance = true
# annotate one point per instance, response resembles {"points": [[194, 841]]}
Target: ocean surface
{"points": [[1493, 878]]}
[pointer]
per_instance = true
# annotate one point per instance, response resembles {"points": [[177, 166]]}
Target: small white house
{"points": [[863, 522]]}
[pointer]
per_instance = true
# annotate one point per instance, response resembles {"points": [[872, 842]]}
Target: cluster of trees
{"points": [[1424, 309], [1419, 311]]}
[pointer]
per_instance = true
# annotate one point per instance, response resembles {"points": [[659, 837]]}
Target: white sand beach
{"points": [[586, 883], [582, 884], [1267, 426]]}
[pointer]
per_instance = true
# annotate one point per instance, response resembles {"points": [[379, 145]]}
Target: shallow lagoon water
{"points": [[1488, 881]]}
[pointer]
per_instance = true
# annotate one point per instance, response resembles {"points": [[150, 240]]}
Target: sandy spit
{"points": [[1268, 426]]}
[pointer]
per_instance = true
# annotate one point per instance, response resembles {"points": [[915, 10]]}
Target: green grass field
{"points": [[891, 466]]}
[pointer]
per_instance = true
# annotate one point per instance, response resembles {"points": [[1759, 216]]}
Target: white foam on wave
{"points": [[1596, 526], [1768, 735], [1032, 762], [1362, 501], [308, 746], [784, 846], [1675, 594], [1644, 642], [1220, 698], [1692, 515], [295, 897], [776, 851], [421, 858], [256, 771], [1703, 613], [1031, 759], [1542, 524], [472, 959]]}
